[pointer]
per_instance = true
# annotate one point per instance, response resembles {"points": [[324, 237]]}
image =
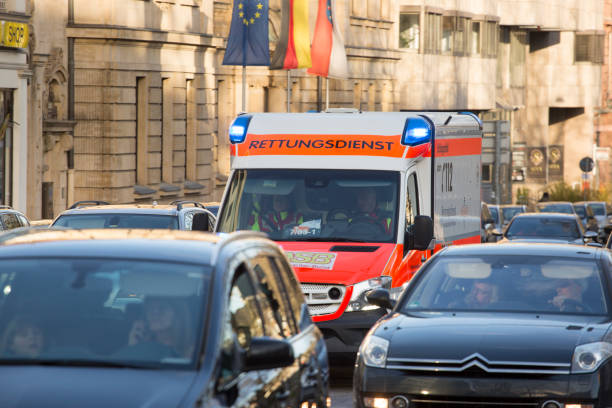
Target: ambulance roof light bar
{"points": [[238, 129], [417, 130]]}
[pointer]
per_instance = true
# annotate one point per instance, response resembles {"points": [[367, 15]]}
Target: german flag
{"points": [[293, 46]]}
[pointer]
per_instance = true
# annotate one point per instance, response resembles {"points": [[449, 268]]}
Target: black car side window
{"points": [[294, 293], [274, 306]]}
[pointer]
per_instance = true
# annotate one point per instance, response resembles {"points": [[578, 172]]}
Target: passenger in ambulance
{"points": [[367, 210], [282, 215]]}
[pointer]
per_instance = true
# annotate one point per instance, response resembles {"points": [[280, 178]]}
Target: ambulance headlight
{"points": [[238, 129], [416, 131], [358, 302]]}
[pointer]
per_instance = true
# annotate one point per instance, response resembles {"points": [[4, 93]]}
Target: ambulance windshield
{"points": [[314, 205]]}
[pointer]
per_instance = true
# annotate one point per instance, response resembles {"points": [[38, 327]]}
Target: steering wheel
{"points": [[333, 214], [361, 224], [573, 305]]}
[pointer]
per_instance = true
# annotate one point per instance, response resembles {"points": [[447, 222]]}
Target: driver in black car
{"points": [[367, 210], [569, 296]]}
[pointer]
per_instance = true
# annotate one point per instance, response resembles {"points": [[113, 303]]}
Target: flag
{"points": [[248, 42], [293, 46], [328, 54]]}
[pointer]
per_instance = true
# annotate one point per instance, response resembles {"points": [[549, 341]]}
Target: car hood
{"points": [[495, 337], [38, 386], [350, 263]]}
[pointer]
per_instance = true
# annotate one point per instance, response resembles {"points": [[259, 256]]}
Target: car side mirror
{"points": [[420, 234], [497, 232], [200, 222], [590, 235], [265, 353], [380, 297]]}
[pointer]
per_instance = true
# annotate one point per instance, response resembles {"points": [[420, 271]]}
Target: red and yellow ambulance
{"points": [[340, 191]]}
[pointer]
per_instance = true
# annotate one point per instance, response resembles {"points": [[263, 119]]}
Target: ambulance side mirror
{"points": [[419, 235]]}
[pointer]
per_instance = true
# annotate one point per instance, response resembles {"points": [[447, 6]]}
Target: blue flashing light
{"points": [[238, 129], [474, 116], [416, 131]]}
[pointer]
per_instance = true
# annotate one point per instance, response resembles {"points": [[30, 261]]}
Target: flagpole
{"points": [[288, 90], [326, 93], [244, 88]]}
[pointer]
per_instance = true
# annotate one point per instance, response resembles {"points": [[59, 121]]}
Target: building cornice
{"points": [[120, 33], [12, 16]]}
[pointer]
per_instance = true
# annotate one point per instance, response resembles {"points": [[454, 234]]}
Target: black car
{"points": [[100, 214], [494, 325], [508, 211], [154, 318], [564, 207], [587, 216], [548, 227]]}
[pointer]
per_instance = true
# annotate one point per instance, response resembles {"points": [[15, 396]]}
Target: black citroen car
{"points": [[154, 318], [494, 325]]}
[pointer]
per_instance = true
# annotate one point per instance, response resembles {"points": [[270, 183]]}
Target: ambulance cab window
{"points": [[313, 204], [412, 200]]}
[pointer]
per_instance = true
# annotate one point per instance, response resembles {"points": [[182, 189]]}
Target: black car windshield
{"points": [[580, 211], [598, 208], [112, 220], [558, 208], [313, 205], [494, 214], [543, 227], [101, 312], [509, 212], [517, 283]]}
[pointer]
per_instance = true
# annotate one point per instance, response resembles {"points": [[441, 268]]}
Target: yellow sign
{"points": [[14, 35]]}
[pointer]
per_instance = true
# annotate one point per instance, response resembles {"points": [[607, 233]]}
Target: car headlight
{"points": [[374, 351], [358, 302], [588, 357]]}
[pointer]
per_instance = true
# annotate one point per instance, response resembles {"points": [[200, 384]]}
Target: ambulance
{"points": [[357, 200]]}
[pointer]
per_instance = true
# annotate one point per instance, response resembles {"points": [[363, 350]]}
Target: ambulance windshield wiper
{"points": [[328, 239]]}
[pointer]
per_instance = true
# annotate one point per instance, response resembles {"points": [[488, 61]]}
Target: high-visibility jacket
{"points": [[384, 222], [274, 221]]}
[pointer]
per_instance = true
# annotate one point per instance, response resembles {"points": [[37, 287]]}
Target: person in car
{"points": [[164, 323], [569, 296], [367, 209], [283, 214], [22, 337], [481, 295]]}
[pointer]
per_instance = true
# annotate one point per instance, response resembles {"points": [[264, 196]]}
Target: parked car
{"points": [[508, 211], [601, 209], [494, 325], [99, 214], [487, 224], [548, 227], [585, 212], [10, 218], [564, 207], [154, 318]]}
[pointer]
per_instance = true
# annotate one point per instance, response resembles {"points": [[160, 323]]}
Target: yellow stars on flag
{"points": [[244, 15]]}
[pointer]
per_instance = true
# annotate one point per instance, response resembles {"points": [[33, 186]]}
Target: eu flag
{"points": [[248, 42]]}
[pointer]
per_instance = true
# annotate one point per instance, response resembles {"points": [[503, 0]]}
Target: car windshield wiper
{"points": [[74, 363]]}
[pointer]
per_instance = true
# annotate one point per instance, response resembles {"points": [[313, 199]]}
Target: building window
{"points": [[167, 130], [475, 38], [589, 48], [6, 149], [462, 26], [448, 28], [409, 30], [490, 38], [487, 173], [433, 33], [142, 130]]}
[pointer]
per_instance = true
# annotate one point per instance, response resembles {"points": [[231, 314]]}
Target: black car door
{"points": [[283, 384], [314, 366], [235, 387]]}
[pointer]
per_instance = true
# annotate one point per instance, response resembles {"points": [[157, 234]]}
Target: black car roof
{"points": [[156, 245], [527, 249]]}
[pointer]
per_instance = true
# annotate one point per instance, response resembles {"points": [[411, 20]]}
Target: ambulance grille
{"points": [[319, 300]]}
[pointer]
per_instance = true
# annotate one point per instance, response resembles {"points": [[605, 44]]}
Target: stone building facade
{"points": [[129, 101]]}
